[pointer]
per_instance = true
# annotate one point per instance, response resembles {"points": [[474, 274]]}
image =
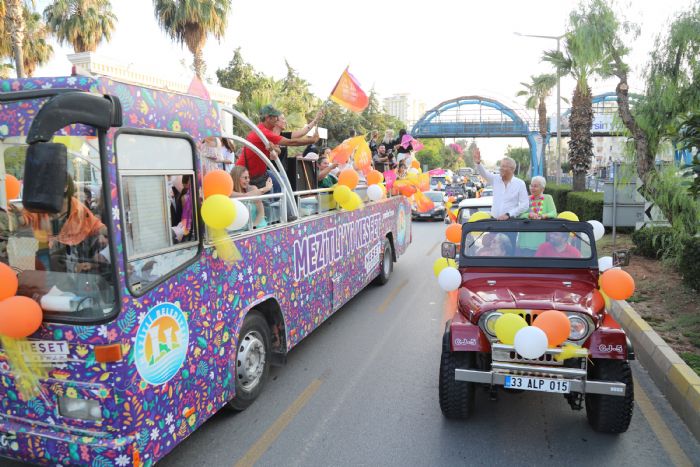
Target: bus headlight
{"points": [[490, 323], [82, 409], [579, 328]]}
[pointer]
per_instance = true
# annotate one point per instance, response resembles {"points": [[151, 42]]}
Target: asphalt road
{"points": [[362, 390]]}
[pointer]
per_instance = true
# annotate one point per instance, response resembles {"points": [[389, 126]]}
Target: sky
{"points": [[436, 50]]}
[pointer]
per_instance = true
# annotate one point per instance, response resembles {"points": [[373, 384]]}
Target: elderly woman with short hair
{"points": [[541, 205]]}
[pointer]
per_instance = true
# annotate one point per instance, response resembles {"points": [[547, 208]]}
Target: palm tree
{"points": [[581, 58], [190, 21], [82, 23], [36, 49], [14, 18], [537, 91]]}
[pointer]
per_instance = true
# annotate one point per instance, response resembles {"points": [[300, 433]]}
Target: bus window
{"points": [[63, 260], [159, 202]]}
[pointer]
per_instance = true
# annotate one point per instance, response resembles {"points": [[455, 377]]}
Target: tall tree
{"points": [[37, 51], [191, 21], [82, 23], [537, 91], [14, 17], [581, 58]]}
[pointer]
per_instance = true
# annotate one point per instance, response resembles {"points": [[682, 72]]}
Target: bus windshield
{"points": [[63, 260]]}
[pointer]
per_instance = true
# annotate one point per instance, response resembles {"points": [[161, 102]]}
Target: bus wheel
{"points": [[252, 361], [387, 263]]}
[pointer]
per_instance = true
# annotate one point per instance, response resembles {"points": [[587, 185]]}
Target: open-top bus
{"points": [[146, 333]]}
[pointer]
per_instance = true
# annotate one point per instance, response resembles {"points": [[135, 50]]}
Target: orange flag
{"points": [[363, 157], [423, 203], [347, 93]]}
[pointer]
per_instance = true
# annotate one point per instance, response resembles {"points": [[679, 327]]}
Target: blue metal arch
{"points": [[425, 127]]}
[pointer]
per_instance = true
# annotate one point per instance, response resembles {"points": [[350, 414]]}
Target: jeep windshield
{"points": [[529, 242], [62, 260]]}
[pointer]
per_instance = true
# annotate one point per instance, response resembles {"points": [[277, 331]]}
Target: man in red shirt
{"points": [[256, 168], [557, 246]]}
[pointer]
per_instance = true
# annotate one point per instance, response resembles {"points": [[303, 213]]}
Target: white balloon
{"points": [[598, 230], [605, 263], [413, 171], [531, 342], [374, 192], [242, 215], [449, 279]]}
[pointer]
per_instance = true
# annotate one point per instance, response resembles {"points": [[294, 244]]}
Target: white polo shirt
{"points": [[511, 198]]}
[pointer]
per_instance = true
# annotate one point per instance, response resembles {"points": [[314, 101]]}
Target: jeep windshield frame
{"points": [[580, 229]]}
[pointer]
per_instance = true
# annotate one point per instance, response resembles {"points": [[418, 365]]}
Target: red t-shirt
{"points": [[249, 159], [547, 250]]}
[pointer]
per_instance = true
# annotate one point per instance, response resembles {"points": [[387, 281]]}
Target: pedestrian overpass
{"points": [[481, 117]]}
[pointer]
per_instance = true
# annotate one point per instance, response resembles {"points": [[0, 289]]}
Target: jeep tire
{"points": [[456, 397], [610, 414]]}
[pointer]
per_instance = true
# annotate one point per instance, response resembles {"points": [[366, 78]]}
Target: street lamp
{"points": [[558, 39]]}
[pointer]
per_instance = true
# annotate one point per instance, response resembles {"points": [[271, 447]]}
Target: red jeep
{"points": [[528, 267]]}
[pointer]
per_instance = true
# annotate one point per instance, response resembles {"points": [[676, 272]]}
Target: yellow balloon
{"points": [[218, 211], [507, 325], [442, 263], [568, 215], [448, 204], [353, 202], [479, 216], [341, 194], [608, 304]]}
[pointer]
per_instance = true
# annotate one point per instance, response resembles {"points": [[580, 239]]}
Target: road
{"points": [[362, 390]]}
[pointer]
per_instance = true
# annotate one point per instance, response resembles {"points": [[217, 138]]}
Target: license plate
{"points": [[538, 384], [425, 215]]}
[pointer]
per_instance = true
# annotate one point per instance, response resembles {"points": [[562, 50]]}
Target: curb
{"points": [[676, 380]]}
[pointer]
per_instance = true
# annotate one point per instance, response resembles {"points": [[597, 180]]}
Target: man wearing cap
{"points": [[256, 167]]}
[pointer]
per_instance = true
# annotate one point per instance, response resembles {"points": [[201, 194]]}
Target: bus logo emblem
{"points": [[161, 343]]}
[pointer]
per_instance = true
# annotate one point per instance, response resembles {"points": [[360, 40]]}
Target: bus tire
{"points": [[252, 364], [387, 263]]}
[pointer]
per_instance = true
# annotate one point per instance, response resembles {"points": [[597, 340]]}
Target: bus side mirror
{"points": [[45, 173], [449, 250]]}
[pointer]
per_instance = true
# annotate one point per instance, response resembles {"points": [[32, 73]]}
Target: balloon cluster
{"points": [[220, 212], [19, 316], [343, 193], [550, 329]]}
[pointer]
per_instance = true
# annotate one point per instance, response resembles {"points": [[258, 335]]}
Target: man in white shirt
{"points": [[510, 197]]}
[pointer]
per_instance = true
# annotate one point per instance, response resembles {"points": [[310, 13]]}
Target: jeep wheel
{"points": [[387, 263], [610, 414], [456, 397], [252, 361]]}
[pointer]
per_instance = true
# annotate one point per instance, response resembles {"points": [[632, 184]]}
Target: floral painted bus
{"points": [[145, 331]]}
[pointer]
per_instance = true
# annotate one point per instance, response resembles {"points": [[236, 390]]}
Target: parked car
{"points": [[437, 213], [469, 206], [590, 368]]}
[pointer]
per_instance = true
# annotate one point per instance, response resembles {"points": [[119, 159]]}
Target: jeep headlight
{"points": [[579, 328], [490, 323]]}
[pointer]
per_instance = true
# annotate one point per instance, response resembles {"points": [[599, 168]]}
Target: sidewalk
{"points": [[676, 380]]}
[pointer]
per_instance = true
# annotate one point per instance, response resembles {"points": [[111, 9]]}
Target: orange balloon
{"points": [[374, 177], [8, 282], [11, 187], [454, 233], [415, 164], [19, 317], [597, 301], [217, 182], [555, 324], [349, 178], [617, 284], [407, 190]]}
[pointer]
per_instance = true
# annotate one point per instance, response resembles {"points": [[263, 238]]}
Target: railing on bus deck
{"points": [[279, 173]]}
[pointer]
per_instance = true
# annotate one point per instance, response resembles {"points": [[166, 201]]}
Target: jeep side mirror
{"points": [[621, 258], [45, 173], [449, 250]]}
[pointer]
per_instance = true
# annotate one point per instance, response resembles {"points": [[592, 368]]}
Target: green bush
{"points": [[587, 205], [559, 194], [689, 264], [651, 241]]}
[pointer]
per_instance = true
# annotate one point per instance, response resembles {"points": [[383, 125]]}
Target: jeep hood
{"points": [[543, 292]]}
